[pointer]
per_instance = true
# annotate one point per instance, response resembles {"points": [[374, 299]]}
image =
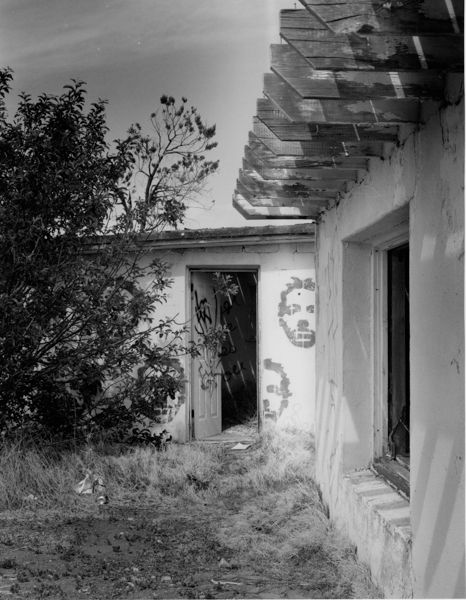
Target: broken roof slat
{"points": [[319, 83], [280, 191], [311, 110], [299, 19], [321, 178], [351, 73], [255, 182], [264, 212], [287, 130], [257, 200], [316, 149], [377, 52], [263, 155], [304, 132], [415, 16]]}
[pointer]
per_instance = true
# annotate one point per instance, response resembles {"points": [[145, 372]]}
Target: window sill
{"points": [[395, 473]]}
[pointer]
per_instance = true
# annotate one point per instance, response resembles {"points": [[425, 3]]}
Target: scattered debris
{"points": [[85, 485], [93, 484], [241, 446], [30, 498], [223, 563], [98, 488], [225, 582], [165, 579], [198, 484]]}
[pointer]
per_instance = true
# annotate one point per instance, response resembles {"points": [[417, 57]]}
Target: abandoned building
{"points": [[352, 327]]}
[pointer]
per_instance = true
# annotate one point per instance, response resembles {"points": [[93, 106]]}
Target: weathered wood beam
{"points": [[288, 187], [271, 197], [379, 110], [300, 18], [415, 16], [319, 150], [289, 131], [268, 212], [324, 50], [296, 71], [334, 177], [305, 132], [263, 155]]}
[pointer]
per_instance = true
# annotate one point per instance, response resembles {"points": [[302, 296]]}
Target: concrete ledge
{"points": [[377, 520]]}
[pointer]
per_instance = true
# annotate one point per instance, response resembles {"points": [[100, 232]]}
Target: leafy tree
{"points": [[79, 348], [167, 169]]}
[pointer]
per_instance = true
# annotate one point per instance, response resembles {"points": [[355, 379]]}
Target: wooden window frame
{"points": [[393, 471]]}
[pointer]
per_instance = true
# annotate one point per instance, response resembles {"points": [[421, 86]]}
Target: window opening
{"points": [[398, 354], [394, 465]]}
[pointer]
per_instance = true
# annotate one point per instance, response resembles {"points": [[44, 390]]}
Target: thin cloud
{"points": [[47, 35]]}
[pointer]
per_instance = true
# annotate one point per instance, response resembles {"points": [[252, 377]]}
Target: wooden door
{"points": [[206, 369]]}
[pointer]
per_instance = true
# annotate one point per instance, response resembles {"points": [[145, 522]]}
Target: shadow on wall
{"points": [[440, 519]]}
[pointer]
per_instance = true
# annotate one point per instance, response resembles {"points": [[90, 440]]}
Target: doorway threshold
{"points": [[244, 434]]}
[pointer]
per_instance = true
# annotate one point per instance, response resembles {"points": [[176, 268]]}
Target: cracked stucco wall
{"points": [[422, 179]]}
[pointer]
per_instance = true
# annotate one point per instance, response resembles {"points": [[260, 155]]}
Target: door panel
{"points": [[206, 371]]}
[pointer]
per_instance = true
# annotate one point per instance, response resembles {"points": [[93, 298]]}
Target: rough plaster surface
{"points": [[426, 175]]}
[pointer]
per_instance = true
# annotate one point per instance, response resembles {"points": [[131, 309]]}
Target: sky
{"points": [[130, 52]]}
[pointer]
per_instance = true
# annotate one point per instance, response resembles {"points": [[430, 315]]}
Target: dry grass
{"points": [[264, 502], [50, 477]]}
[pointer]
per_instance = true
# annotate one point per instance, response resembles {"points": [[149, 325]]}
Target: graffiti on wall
{"points": [[276, 386], [296, 312], [205, 326]]}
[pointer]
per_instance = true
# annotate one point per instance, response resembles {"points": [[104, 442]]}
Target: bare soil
{"points": [[222, 542]]}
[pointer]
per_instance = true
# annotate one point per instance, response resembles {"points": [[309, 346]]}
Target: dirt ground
{"points": [[227, 542]]}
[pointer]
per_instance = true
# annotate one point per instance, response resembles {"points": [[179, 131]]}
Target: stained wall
{"points": [[414, 547]]}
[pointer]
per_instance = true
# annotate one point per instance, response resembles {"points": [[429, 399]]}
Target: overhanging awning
{"points": [[346, 77]]}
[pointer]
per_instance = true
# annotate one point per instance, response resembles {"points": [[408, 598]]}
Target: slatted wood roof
{"points": [[346, 76]]}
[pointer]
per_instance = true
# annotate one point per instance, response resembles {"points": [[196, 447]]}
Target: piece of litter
{"points": [[30, 498], [223, 563], [240, 446], [84, 486], [225, 582]]}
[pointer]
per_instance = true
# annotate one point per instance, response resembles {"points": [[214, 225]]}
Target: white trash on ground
{"points": [[92, 484]]}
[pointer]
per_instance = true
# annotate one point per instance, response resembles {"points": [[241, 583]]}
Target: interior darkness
{"points": [[238, 352], [398, 351]]}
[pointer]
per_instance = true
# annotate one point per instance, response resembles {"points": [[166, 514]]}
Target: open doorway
{"points": [[224, 379]]}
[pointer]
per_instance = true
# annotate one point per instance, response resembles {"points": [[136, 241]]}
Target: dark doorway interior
{"points": [[398, 353], [238, 353]]}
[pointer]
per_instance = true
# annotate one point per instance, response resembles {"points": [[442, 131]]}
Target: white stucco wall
{"points": [[279, 265], [424, 175]]}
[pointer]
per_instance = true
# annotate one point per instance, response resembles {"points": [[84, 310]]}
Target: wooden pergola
{"points": [[348, 78]]}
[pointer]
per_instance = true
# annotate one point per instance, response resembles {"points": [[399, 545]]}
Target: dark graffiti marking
{"points": [[207, 376], [206, 321], [296, 312], [276, 389], [203, 312], [235, 371]]}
